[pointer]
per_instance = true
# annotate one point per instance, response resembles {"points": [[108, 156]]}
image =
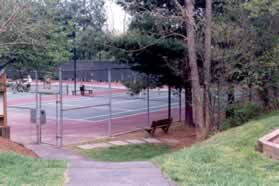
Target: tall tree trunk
{"points": [[219, 105], [188, 105], [207, 65], [195, 79]]}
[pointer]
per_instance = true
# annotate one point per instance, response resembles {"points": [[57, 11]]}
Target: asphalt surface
{"points": [[85, 172], [95, 108]]}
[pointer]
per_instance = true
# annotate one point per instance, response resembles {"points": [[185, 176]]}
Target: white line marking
{"points": [[124, 109], [102, 120], [91, 99], [107, 115]]}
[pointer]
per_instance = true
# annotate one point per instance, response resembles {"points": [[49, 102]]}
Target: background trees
{"points": [[30, 33], [244, 44], [40, 33], [85, 19]]}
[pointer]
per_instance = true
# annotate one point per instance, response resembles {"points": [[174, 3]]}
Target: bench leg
{"points": [[150, 131], [153, 132], [165, 129]]}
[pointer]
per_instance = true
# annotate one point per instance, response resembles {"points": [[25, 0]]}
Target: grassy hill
{"points": [[228, 158], [19, 170], [20, 166]]}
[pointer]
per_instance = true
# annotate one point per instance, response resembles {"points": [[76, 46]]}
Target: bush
{"points": [[134, 87], [238, 114]]}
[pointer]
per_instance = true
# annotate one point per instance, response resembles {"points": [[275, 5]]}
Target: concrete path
{"points": [[85, 172]]}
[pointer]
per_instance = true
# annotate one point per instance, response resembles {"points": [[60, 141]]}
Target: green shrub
{"points": [[134, 87], [238, 114]]}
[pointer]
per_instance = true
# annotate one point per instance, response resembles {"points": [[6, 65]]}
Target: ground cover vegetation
{"points": [[20, 170], [21, 166]]}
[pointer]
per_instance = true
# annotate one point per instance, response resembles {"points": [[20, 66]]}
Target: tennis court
{"points": [[86, 117]]}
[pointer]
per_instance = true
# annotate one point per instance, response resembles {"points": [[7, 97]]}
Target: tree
{"points": [[207, 63], [243, 43], [85, 19], [30, 33], [176, 18], [135, 49], [240, 42]]}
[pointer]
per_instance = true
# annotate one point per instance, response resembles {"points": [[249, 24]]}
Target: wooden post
{"points": [[5, 105], [4, 128]]}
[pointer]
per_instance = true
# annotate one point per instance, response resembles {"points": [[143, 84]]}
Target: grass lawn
{"points": [[127, 153], [19, 170], [229, 158]]}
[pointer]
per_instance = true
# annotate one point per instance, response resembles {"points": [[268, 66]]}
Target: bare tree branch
{"points": [[16, 11], [180, 8], [151, 44]]}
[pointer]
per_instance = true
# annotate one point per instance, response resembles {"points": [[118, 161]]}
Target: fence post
{"points": [[169, 102], [148, 100], [61, 108], [180, 105], [110, 104], [37, 107]]}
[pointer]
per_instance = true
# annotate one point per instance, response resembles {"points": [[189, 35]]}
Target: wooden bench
{"points": [[164, 124], [83, 91], [89, 91]]}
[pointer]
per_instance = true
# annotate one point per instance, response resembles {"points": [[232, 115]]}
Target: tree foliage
{"points": [[259, 8], [150, 55], [31, 34], [39, 34], [85, 19]]}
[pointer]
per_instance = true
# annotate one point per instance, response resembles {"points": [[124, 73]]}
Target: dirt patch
{"points": [[179, 136], [9, 146]]}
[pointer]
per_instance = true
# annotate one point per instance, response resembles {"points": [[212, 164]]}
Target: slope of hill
{"points": [[20, 166], [229, 158]]}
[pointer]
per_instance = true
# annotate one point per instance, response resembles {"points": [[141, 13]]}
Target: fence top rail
{"points": [[48, 93], [20, 107], [92, 70], [44, 93]]}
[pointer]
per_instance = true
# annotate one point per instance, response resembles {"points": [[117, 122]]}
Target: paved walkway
{"points": [[85, 172]]}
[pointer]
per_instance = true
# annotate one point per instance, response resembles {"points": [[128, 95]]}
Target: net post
{"points": [[67, 89]]}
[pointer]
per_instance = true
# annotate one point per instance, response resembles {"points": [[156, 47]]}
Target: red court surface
{"points": [[77, 130]]}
